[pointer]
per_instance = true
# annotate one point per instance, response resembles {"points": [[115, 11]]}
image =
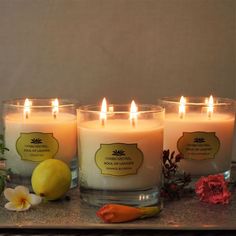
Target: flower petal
{"points": [[10, 194], [23, 207], [13, 207], [115, 213], [10, 206], [34, 199], [22, 190]]}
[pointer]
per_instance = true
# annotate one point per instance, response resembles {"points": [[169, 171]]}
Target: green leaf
{"points": [[2, 184], [2, 145]]}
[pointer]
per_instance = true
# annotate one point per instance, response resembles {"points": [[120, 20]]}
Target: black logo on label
{"points": [[118, 152], [36, 140], [199, 140]]}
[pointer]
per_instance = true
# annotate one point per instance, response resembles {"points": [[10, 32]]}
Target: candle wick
{"points": [[133, 123], [181, 115], [103, 122], [54, 115], [209, 115], [26, 114]]}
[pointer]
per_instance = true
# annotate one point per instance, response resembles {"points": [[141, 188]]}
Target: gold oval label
{"points": [[36, 146], [198, 145], [119, 159]]}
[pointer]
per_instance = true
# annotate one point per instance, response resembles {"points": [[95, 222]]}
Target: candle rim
{"points": [[152, 108], [197, 100], [19, 102]]}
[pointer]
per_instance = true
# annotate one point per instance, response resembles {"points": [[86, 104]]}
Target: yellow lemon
{"points": [[51, 179]]}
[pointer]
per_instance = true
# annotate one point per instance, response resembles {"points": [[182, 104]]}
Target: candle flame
{"points": [[103, 113], [133, 113], [27, 106], [210, 106], [182, 103], [55, 108]]}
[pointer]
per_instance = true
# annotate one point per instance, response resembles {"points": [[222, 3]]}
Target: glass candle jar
{"points": [[201, 129], [120, 154], [36, 130]]}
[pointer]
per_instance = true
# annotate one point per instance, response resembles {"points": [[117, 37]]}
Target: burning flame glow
{"points": [[103, 113], [27, 106], [133, 113], [182, 107], [210, 106], [55, 107]]}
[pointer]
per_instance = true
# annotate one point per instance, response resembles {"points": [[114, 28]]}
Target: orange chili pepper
{"points": [[114, 213]]}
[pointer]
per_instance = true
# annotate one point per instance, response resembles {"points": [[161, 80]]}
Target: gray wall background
{"points": [[121, 49]]}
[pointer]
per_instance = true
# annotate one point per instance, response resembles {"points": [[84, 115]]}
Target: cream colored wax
{"points": [[147, 134], [221, 124], [63, 128]]}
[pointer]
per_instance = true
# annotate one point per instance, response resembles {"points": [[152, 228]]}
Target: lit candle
{"points": [[40, 136], [203, 137], [124, 155]]}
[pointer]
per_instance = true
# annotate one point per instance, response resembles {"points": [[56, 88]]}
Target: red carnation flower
{"points": [[213, 189]]}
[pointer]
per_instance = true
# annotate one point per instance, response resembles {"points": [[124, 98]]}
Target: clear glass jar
{"points": [[120, 158], [201, 129], [36, 130]]}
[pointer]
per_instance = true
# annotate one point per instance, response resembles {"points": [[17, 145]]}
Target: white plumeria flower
{"points": [[20, 199]]}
